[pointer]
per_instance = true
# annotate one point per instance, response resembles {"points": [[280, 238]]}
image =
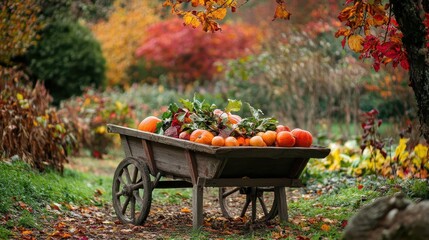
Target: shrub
{"points": [[29, 128], [89, 115], [67, 58]]}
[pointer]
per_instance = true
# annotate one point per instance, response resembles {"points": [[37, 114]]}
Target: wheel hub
{"points": [[127, 190]]}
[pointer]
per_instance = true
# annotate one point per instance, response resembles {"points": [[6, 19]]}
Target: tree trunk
{"points": [[410, 15]]}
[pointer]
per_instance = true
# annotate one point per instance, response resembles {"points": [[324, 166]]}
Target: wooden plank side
{"points": [[193, 171], [253, 167], [147, 146], [125, 146], [161, 139], [253, 182], [272, 152]]}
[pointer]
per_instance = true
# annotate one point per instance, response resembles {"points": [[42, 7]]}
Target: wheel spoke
{"points": [[136, 171], [264, 207], [133, 209], [254, 207], [124, 207], [118, 194], [138, 198], [246, 205], [138, 185], [226, 194], [127, 175], [121, 181]]}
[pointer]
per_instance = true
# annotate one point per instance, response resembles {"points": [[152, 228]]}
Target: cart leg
{"points": [[197, 206], [282, 203]]}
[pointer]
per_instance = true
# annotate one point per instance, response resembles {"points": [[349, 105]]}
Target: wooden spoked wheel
{"points": [[132, 191], [259, 202]]}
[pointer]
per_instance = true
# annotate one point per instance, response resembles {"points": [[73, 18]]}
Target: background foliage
{"points": [[18, 28], [67, 58], [120, 35], [188, 55], [30, 129]]}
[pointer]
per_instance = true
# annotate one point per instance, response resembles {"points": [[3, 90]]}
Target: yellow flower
{"points": [[119, 105], [100, 130], [421, 151]]}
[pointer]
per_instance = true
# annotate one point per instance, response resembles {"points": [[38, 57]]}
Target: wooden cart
{"points": [[260, 174]]}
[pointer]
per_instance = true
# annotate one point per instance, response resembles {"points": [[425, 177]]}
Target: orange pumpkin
{"points": [[269, 137], [218, 141], [303, 137], [149, 124], [257, 141], [201, 136], [285, 139], [231, 142]]}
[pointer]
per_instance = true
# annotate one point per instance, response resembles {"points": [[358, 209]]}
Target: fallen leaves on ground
{"points": [[68, 221]]}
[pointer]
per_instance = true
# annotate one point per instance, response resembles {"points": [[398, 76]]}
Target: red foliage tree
{"points": [[189, 55]]}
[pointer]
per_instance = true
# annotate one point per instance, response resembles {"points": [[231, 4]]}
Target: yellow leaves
{"points": [[281, 11], [19, 96], [400, 152], [421, 151], [191, 19], [121, 34], [196, 3], [218, 13], [356, 42]]}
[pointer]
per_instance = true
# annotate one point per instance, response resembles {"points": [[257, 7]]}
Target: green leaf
{"points": [[255, 112], [233, 105], [173, 107], [187, 104], [181, 116]]}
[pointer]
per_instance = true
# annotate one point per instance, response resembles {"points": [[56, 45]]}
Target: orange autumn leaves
{"points": [[208, 12]]}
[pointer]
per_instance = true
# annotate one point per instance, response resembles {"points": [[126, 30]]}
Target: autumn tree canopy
{"points": [[18, 28], [121, 34], [190, 55], [394, 31]]}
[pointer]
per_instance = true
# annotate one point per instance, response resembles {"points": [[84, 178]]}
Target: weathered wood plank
{"points": [[252, 182], [197, 205], [149, 157], [174, 184], [125, 146], [271, 152], [193, 170], [161, 139], [282, 203]]}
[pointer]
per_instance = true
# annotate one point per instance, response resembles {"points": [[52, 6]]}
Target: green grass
{"points": [[25, 193], [5, 233]]}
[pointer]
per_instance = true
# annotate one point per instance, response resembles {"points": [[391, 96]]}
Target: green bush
{"points": [[67, 58]]}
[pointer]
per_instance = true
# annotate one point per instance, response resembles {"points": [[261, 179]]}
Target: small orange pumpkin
{"points": [[269, 137], [201, 136], [149, 124]]}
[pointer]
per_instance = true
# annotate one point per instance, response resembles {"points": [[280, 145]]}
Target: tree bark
{"points": [[410, 15]]}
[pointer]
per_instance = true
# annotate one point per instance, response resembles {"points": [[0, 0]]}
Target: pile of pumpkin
{"points": [[204, 123]]}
